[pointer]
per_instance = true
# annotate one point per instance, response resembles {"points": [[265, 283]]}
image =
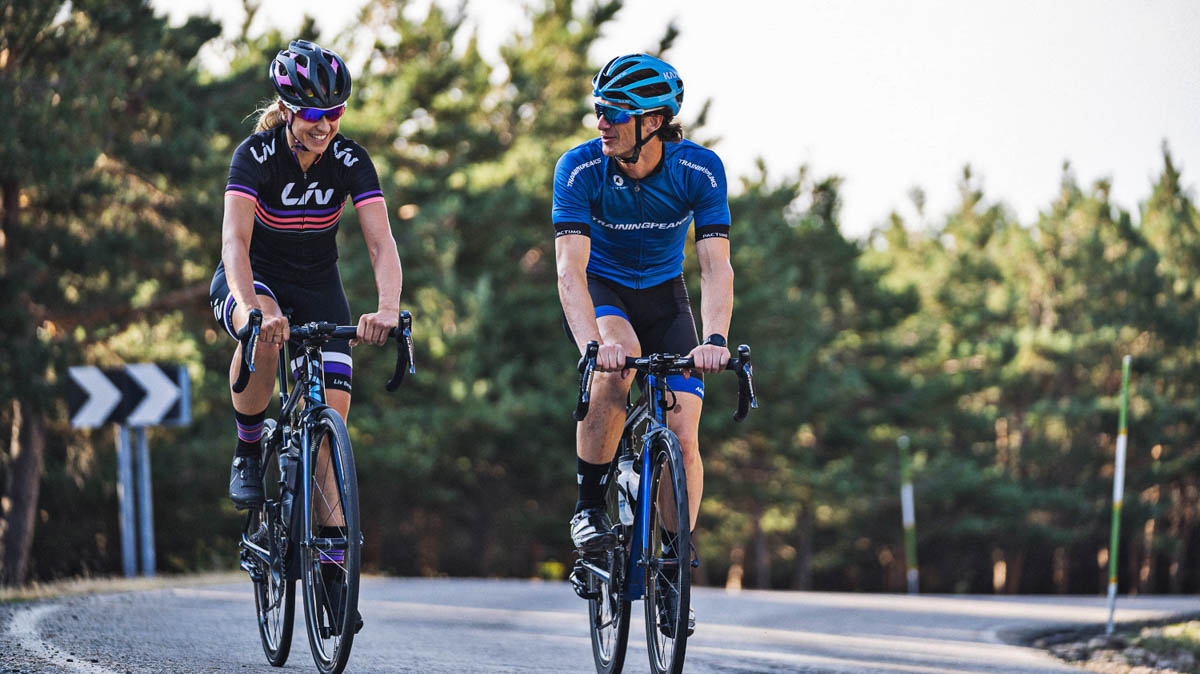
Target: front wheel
{"points": [[275, 593], [330, 561], [668, 558], [608, 612]]}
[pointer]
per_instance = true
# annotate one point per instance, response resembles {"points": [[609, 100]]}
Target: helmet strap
{"points": [[296, 146], [638, 142]]}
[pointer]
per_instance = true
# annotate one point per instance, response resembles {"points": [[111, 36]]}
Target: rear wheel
{"points": [[330, 564], [608, 613], [274, 594], [668, 568]]}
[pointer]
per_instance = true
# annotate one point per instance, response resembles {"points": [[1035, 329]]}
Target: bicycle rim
{"points": [[331, 579], [274, 595], [608, 615], [275, 605], [667, 622]]}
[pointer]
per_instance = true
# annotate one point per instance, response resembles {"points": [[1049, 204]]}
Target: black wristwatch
{"points": [[715, 339]]}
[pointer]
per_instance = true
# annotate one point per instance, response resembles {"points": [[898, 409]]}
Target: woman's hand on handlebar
{"points": [[374, 328], [274, 330]]}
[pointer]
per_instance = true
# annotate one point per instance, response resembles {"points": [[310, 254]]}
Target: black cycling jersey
{"points": [[296, 212]]}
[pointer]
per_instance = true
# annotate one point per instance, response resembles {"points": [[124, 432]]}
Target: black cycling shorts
{"points": [[661, 317], [321, 298]]}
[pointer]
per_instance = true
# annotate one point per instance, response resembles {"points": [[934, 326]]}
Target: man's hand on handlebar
{"points": [[611, 358], [708, 358]]}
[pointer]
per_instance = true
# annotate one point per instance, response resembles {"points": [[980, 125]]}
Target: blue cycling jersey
{"points": [[638, 227]]}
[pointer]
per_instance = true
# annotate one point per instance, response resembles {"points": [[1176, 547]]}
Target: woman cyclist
{"points": [[287, 186]]}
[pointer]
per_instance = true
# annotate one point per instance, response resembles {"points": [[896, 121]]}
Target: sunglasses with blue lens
{"points": [[615, 115]]}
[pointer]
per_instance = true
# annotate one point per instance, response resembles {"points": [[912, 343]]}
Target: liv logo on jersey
{"points": [[321, 197], [347, 159], [268, 149]]}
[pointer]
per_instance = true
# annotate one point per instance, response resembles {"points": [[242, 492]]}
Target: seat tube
{"points": [[302, 483]]}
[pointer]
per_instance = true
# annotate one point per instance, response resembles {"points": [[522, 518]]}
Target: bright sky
{"points": [[892, 94]]}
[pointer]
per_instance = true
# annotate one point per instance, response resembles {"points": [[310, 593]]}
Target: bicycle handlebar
{"points": [[322, 331], [660, 364]]}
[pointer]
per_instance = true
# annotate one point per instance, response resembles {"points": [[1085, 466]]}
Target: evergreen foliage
{"points": [[995, 345]]}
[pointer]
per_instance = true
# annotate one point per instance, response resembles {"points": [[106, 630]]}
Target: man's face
{"points": [[618, 139]]}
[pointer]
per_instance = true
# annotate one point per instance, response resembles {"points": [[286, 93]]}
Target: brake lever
{"points": [[405, 359], [745, 374], [587, 364], [248, 336]]}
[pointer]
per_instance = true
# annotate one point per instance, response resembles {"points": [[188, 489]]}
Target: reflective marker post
{"points": [[125, 502], [1118, 496], [145, 503], [909, 514]]}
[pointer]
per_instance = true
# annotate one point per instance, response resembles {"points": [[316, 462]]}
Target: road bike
{"points": [[647, 501], [308, 526]]}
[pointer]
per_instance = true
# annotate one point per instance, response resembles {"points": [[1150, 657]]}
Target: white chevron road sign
{"points": [[139, 394], [102, 397]]}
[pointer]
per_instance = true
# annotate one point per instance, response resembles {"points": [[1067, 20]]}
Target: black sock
{"points": [[250, 429], [592, 478]]}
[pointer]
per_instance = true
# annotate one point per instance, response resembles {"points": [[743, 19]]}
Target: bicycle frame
{"points": [[651, 410], [309, 388]]}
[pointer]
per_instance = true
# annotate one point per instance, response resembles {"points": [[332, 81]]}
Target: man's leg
{"points": [[596, 439], [684, 421]]}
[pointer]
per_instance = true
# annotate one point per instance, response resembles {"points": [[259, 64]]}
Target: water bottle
{"points": [[627, 487]]}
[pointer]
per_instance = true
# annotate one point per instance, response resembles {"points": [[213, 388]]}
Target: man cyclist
{"points": [[287, 186], [622, 206]]}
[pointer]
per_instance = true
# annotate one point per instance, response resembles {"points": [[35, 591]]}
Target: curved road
{"points": [[446, 625]]}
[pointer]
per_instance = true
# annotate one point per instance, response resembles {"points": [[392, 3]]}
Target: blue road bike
{"points": [[648, 503], [308, 526]]}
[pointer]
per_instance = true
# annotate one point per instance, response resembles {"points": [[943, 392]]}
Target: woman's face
{"points": [[313, 135]]}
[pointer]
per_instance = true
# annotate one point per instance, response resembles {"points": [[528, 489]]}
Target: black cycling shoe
{"points": [[592, 533], [668, 608], [579, 583], [245, 482]]}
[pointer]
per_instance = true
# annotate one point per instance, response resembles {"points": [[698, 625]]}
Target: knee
{"points": [[689, 443], [609, 388]]}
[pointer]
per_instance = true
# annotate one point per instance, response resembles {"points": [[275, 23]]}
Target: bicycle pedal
{"points": [[578, 580]]}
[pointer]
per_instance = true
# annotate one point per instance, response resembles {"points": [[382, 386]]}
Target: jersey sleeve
{"points": [[247, 174], [710, 197], [572, 210], [361, 178]]}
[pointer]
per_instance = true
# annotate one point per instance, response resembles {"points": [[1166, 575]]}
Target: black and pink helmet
{"points": [[307, 76]]}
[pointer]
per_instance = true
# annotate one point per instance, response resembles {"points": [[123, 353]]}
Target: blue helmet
{"points": [[641, 80]]}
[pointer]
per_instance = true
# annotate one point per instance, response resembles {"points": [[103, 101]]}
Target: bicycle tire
{"points": [[667, 629], [331, 588], [608, 614], [275, 594]]}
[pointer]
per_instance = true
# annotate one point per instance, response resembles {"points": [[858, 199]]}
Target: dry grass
{"points": [[82, 586]]}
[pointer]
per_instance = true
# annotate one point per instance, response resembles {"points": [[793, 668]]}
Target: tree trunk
{"points": [[802, 573], [19, 513], [762, 555]]}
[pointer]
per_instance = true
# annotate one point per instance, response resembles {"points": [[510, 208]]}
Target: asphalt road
{"points": [[448, 625]]}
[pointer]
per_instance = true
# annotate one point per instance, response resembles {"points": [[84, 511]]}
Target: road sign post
{"points": [[135, 396]]}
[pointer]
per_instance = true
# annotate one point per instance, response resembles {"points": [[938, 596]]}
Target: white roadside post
{"points": [[1118, 496]]}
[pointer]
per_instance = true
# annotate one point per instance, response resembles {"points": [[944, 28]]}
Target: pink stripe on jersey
{"points": [[243, 195], [364, 202]]}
